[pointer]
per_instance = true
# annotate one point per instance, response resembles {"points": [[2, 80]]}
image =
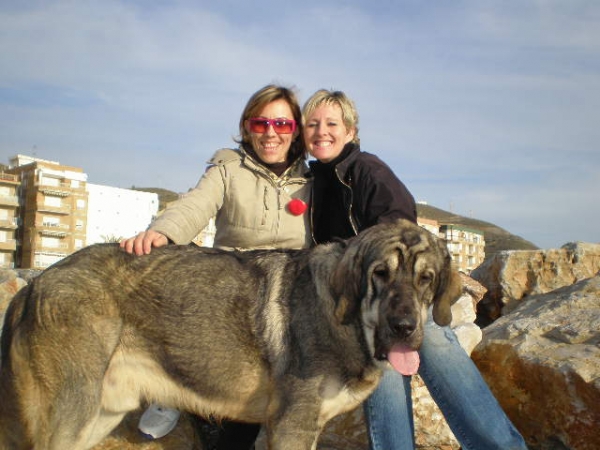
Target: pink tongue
{"points": [[404, 359]]}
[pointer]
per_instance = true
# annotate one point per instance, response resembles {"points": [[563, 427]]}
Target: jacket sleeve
{"points": [[183, 219], [386, 198]]}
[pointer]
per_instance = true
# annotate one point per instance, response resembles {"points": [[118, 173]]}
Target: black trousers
{"points": [[237, 436], [224, 435]]}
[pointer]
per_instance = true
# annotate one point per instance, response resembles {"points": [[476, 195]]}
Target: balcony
{"points": [[9, 200], [53, 225], [55, 249], [9, 244], [61, 209], [53, 229], [9, 177], [53, 233], [57, 188], [11, 224], [55, 191]]}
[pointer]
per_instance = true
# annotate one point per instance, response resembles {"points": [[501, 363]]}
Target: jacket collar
{"points": [[342, 163], [295, 170]]}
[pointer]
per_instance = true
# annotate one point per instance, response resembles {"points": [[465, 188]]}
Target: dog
{"points": [[286, 338]]}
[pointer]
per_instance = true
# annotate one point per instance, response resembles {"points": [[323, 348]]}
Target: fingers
{"points": [[142, 243]]}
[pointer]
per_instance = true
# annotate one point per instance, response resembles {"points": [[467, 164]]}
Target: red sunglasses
{"points": [[281, 126]]}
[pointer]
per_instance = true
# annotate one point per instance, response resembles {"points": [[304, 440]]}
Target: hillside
{"points": [[496, 238]]}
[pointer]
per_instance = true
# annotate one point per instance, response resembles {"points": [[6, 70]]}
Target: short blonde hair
{"points": [[339, 98]]}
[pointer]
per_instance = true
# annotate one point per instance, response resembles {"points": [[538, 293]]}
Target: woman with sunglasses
{"points": [[353, 190], [252, 191], [257, 194]]}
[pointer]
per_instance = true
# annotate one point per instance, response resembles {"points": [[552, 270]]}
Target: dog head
{"points": [[389, 276]]}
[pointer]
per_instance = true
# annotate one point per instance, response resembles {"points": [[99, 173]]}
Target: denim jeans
{"points": [[455, 384]]}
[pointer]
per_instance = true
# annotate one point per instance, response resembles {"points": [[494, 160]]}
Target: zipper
{"points": [[350, 215]]}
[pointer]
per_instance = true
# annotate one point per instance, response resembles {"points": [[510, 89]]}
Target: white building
{"points": [[115, 213]]}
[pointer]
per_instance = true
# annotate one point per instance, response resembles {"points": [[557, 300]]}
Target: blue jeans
{"points": [[455, 384]]}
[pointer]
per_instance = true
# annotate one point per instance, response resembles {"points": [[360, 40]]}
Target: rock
{"points": [[510, 276], [463, 314], [10, 284], [542, 362]]}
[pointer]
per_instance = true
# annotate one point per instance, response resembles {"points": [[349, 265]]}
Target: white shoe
{"points": [[158, 421]]}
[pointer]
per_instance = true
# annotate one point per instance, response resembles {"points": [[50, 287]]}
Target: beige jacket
{"points": [[249, 204]]}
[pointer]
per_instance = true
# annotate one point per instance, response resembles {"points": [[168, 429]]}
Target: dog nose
{"points": [[402, 327]]}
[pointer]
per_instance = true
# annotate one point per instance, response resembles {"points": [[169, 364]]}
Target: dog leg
{"points": [[294, 418], [99, 428], [291, 434], [63, 385]]}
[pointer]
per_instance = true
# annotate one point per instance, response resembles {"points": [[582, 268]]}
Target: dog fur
{"points": [[286, 338]]}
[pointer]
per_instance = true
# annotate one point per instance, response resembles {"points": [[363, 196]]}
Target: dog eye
{"points": [[381, 271], [425, 278]]}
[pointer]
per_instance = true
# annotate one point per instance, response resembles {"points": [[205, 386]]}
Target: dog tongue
{"points": [[404, 359]]}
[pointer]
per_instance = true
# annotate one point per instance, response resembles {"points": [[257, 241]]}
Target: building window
{"points": [[52, 201], [43, 261], [51, 242], [50, 221], [47, 181]]}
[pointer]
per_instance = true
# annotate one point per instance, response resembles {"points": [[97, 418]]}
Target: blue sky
{"points": [[485, 108]]}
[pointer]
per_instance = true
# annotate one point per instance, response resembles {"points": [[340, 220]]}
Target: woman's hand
{"points": [[142, 243]]}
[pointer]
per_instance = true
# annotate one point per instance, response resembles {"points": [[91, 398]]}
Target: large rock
{"points": [[511, 276], [543, 363], [10, 283], [345, 432]]}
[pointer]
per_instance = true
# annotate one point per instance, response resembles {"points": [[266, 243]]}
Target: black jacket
{"points": [[355, 191]]}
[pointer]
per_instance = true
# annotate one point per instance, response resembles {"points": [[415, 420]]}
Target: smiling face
{"points": [[325, 133], [271, 147]]}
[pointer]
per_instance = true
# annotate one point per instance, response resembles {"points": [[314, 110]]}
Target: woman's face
{"points": [[325, 134], [271, 147]]}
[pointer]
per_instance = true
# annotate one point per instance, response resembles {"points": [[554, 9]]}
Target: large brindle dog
{"points": [[286, 338]]}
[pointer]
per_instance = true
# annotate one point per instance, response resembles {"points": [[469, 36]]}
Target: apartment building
{"points": [[53, 211], [9, 203], [431, 225], [466, 246]]}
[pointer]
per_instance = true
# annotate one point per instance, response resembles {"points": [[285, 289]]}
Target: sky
{"points": [[488, 109]]}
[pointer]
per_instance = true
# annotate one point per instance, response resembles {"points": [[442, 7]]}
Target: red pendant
{"points": [[296, 207]]}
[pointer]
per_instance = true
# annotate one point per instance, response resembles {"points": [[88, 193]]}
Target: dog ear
{"points": [[449, 290], [346, 287]]}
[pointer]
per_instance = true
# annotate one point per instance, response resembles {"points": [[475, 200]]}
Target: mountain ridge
{"points": [[496, 238]]}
